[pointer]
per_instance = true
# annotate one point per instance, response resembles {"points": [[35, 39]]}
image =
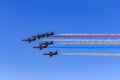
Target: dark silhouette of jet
{"points": [[51, 53], [49, 34], [41, 47], [52, 33], [39, 36], [47, 43], [34, 37], [29, 39], [43, 35]]}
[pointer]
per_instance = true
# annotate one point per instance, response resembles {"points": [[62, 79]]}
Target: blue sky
{"points": [[22, 18]]}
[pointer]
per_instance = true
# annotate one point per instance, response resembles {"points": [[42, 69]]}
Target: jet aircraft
{"points": [[41, 47], [37, 36], [47, 43], [52, 33], [49, 34], [41, 36], [29, 39], [51, 53]]}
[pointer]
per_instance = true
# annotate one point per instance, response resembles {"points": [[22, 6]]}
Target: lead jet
{"points": [[41, 47], [29, 39], [51, 53]]}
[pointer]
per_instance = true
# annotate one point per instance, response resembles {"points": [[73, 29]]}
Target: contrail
{"points": [[94, 35], [91, 42], [92, 54], [87, 41], [81, 40], [85, 35], [86, 47]]}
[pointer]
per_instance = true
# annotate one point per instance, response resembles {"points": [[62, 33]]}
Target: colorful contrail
{"points": [[92, 54]]}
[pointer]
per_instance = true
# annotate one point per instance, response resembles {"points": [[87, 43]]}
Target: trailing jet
{"points": [[29, 39], [51, 53], [41, 47], [43, 35], [37, 36], [49, 34], [47, 43], [52, 33]]}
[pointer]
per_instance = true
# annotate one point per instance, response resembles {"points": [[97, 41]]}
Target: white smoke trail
{"points": [[81, 40], [92, 54], [85, 41], [87, 34], [103, 42]]}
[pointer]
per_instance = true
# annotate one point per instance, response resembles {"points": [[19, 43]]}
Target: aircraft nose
{"points": [[34, 47]]}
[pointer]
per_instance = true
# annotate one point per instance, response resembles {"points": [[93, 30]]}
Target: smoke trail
{"points": [[106, 35], [85, 35], [81, 40], [87, 41], [92, 54], [86, 47], [110, 42], [90, 42]]}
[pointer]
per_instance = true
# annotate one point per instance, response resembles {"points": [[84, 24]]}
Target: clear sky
{"points": [[22, 18]]}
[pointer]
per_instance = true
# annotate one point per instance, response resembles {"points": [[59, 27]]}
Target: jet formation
{"points": [[42, 45], [39, 36]]}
